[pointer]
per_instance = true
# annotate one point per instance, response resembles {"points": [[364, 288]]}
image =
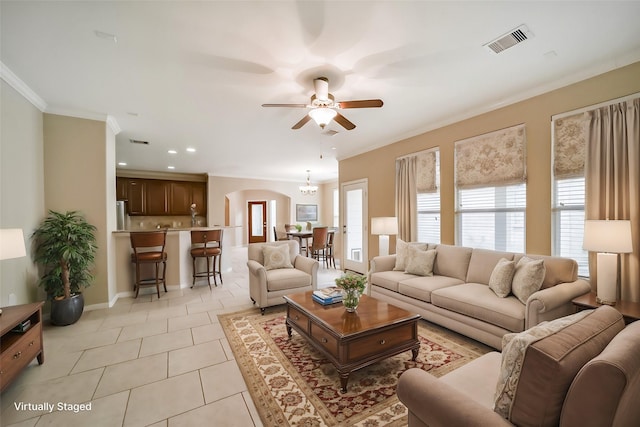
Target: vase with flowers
{"points": [[353, 286], [193, 214]]}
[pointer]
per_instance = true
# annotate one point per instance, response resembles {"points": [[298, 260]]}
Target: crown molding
{"points": [[21, 87], [113, 124], [81, 114]]}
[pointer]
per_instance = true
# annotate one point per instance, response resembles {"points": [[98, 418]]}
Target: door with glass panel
{"points": [[355, 229], [257, 222]]}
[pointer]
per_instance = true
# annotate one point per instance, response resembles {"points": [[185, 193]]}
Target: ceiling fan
{"points": [[323, 106]]}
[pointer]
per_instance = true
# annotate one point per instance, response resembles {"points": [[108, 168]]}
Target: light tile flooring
{"points": [[144, 362]]}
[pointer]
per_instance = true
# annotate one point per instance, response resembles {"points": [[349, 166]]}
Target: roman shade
{"points": [[426, 181], [569, 149]]}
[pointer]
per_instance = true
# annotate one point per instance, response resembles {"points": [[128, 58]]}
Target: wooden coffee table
{"points": [[353, 340]]}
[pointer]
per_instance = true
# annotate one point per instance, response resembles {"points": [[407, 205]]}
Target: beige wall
{"points": [[379, 165], [78, 177], [21, 190]]}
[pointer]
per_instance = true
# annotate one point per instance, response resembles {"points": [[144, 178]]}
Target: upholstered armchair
{"points": [[277, 269]]}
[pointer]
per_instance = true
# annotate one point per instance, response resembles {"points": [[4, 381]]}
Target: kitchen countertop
{"points": [[170, 229]]}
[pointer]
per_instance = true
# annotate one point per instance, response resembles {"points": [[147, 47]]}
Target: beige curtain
{"points": [[406, 198], [612, 181]]}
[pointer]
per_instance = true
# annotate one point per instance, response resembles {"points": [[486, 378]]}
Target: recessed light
{"points": [[172, 152], [191, 150], [333, 148], [171, 167], [122, 164]]}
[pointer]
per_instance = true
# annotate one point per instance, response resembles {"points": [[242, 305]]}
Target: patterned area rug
{"points": [[292, 384]]}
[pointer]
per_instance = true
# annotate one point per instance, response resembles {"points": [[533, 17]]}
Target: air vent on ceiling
{"points": [[137, 141], [512, 38]]}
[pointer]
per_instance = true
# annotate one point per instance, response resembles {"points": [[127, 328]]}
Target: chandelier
{"points": [[308, 189]]}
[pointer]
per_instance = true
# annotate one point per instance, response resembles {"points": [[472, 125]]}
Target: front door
{"points": [[354, 226], [257, 222]]}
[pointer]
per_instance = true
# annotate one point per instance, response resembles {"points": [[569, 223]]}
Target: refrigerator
{"points": [[120, 215]]}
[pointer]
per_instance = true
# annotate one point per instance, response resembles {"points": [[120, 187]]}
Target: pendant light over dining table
{"points": [[308, 190]]}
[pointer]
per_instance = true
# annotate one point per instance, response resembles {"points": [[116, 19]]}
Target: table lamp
{"points": [[609, 238], [11, 244], [384, 226]]}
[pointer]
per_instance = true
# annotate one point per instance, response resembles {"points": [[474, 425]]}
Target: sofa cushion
{"points": [[287, 278], [389, 279], [501, 277], [276, 257], [527, 278], [482, 263], [420, 288], [551, 362], [478, 301], [254, 251], [452, 261], [557, 269], [402, 252], [420, 262]]}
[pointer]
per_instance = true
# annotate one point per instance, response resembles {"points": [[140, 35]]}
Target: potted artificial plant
{"points": [[65, 247]]}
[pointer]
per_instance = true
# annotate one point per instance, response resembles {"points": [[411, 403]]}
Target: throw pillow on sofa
{"points": [[402, 253], [420, 262], [527, 278], [501, 277], [276, 257]]}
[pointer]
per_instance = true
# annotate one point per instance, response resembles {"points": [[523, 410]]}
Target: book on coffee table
{"points": [[326, 296]]}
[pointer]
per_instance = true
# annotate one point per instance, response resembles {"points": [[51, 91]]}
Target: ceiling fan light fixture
{"points": [[322, 116]]}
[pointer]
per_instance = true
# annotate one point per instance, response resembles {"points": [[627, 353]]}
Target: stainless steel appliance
{"points": [[120, 215]]}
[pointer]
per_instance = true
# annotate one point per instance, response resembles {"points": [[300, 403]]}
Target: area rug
{"points": [[292, 384]]}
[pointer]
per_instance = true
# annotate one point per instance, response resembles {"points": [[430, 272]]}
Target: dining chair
{"points": [[279, 235], [148, 248], [207, 244], [329, 250], [317, 248]]}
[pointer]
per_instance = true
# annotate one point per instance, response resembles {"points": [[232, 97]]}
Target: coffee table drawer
{"points": [[299, 318], [325, 339], [380, 342]]}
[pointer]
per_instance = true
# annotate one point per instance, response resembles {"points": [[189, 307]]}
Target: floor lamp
{"points": [[609, 238], [384, 226], [11, 244]]}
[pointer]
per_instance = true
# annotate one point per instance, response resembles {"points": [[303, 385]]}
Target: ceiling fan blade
{"points": [[344, 122], [365, 103], [286, 105], [302, 122]]}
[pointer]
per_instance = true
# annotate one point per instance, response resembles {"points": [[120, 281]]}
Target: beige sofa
{"points": [[584, 375], [268, 286], [458, 297]]}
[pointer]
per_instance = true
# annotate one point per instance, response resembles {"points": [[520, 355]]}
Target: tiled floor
{"points": [[145, 361]]}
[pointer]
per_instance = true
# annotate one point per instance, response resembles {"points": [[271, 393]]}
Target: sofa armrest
{"points": [[382, 263], [309, 266], [437, 404], [549, 299]]}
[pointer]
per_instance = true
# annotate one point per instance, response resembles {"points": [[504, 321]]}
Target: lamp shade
{"points": [[384, 225], [612, 236], [322, 116], [11, 243]]}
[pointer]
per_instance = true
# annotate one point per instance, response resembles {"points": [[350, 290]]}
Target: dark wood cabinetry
{"points": [[161, 197]]}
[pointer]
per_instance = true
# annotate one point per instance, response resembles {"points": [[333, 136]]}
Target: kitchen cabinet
{"points": [[157, 197], [162, 197], [136, 197], [122, 186]]}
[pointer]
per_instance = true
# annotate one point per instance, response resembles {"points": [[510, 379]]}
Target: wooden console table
{"points": [[630, 310], [19, 348]]}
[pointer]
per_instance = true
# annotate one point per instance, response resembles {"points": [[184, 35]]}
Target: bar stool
{"points": [[145, 246], [207, 244]]}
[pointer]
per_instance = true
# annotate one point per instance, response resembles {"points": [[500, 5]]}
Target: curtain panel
{"points": [[406, 198], [612, 182], [492, 159], [570, 145]]}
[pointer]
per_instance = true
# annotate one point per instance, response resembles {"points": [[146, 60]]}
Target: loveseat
{"points": [[449, 285], [582, 370]]}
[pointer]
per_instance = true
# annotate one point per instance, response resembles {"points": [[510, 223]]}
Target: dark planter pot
{"points": [[67, 311]]}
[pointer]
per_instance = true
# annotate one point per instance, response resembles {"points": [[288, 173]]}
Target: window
{"points": [[336, 208], [428, 204], [568, 191], [492, 217], [568, 221], [491, 190]]}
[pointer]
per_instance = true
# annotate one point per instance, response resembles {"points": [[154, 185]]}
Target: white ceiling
{"points": [[194, 74]]}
